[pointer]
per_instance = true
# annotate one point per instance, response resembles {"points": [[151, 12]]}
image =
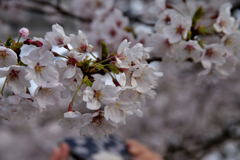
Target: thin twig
{"points": [[38, 8], [57, 7], [154, 59]]}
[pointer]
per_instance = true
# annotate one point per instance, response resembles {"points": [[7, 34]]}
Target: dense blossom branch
{"points": [[79, 70], [95, 83]]}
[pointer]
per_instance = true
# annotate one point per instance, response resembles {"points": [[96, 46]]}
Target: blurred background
{"points": [[191, 118]]}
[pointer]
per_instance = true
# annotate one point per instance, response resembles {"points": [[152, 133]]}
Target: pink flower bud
{"points": [[32, 42], [24, 32]]}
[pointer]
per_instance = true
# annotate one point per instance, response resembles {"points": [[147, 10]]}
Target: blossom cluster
{"points": [[178, 31], [211, 40], [183, 32], [182, 114], [95, 90]]}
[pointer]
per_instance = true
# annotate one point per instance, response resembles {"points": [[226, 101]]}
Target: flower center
{"points": [[38, 68], [167, 20], [72, 61], [98, 120], [189, 48], [222, 23], [13, 74], [97, 94], [180, 29], [3, 54], [209, 52], [83, 48], [59, 41], [113, 32], [119, 23]]}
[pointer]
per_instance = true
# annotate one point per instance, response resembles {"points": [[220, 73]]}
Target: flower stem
{"points": [[93, 55], [59, 55], [4, 85], [105, 60], [70, 107], [19, 37]]}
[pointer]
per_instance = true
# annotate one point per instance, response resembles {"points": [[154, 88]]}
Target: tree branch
{"points": [[38, 5], [154, 59], [57, 7]]}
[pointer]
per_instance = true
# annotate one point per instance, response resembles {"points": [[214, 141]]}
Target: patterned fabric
{"points": [[84, 148]]}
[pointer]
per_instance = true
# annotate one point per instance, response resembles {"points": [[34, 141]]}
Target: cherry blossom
{"points": [[88, 86], [99, 93], [231, 43], [80, 43], [225, 22], [7, 57], [15, 78], [188, 50], [92, 81], [57, 36], [144, 78], [40, 66], [48, 96], [213, 54]]}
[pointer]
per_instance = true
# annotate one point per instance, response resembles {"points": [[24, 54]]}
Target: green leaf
{"points": [[87, 81], [202, 30], [197, 16], [104, 50], [189, 35], [84, 65], [130, 30], [99, 66], [201, 43], [16, 46], [113, 68], [9, 42], [21, 63]]}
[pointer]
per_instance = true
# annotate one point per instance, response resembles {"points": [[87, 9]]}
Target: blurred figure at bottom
{"points": [[137, 150]]}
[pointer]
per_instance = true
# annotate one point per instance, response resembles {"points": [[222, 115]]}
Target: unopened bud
{"points": [[32, 42], [24, 32]]}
